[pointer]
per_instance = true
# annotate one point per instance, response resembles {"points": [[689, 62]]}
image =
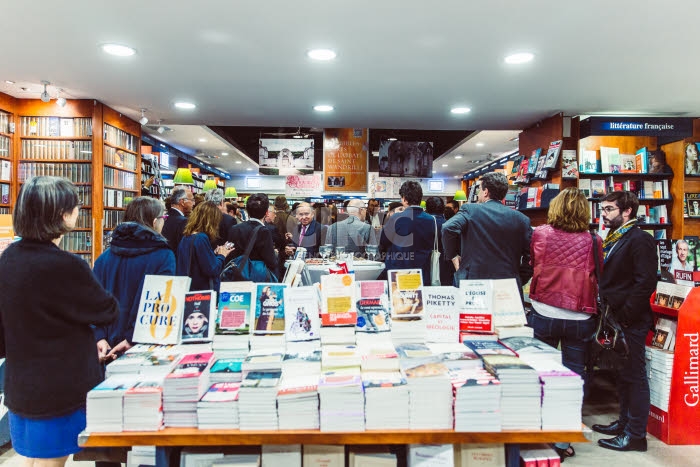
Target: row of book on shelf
{"points": [[609, 160], [39, 149], [646, 189], [55, 126], [538, 164]]}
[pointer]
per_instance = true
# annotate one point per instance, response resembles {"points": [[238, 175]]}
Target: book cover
{"points": [[569, 164], [629, 163], [598, 188], [301, 308], [200, 309], [269, 311], [476, 306], [534, 158], [262, 379], [5, 170], [222, 392], [642, 160], [54, 126], [442, 314], [665, 252], [589, 161], [161, 307], [692, 241], [191, 365], [373, 314], [681, 265], [4, 194], [338, 300], [692, 204], [584, 184], [406, 292], [67, 127], [523, 176], [227, 365], [553, 154], [540, 172], [236, 306]]}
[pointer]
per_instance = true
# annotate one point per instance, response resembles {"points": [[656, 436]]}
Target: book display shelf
{"points": [[6, 177], [680, 424], [150, 168]]}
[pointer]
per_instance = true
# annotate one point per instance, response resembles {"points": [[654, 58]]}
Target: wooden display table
{"points": [[168, 438]]}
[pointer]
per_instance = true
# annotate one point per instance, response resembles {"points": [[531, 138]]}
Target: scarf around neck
{"points": [[614, 237]]}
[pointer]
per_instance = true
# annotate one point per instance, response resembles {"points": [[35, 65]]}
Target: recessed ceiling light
{"points": [[434, 171], [9, 81], [323, 108], [185, 105], [321, 54], [391, 139], [118, 50], [460, 110], [444, 165], [249, 168], [479, 145], [238, 162], [517, 59], [458, 156], [224, 154], [202, 140], [297, 136]]}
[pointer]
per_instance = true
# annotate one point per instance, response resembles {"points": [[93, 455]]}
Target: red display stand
{"points": [[681, 424]]}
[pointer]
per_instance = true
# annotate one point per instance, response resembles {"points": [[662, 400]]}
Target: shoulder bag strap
{"points": [[435, 243], [246, 253]]}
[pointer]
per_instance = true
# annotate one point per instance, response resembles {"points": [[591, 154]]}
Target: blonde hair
{"points": [[206, 218], [569, 211]]}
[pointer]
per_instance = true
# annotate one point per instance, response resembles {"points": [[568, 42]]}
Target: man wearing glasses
{"points": [[181, 204], [627, 282]]}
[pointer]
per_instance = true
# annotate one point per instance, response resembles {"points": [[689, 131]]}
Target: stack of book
{"points": [[301, 362], [104, 403], [226, 370], [408, 330], [231, 345], [386, 400], [379, 356], [521, 391], [183, 388], [659, 370], [338, 309], [455, 355], [267, 359], [129, 363], [342, 401], [141, 455], [477, 395], [258, 400], [297, 401], [430, 394], [218, 407], [143, 406], [562, 393], [525, 347], [234, 313]]}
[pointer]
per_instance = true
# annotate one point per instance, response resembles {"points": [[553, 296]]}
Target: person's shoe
{"points": [[564, 453], [623, 442], [614, 429]]}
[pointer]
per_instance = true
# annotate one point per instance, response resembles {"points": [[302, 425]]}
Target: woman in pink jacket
{"points": [[564, 287]]}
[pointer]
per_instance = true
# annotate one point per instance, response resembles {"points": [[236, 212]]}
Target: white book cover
{"points": [[5, 170], [338, 300], [67, 127], [507, 305], [441, 314], [430, 455], [283, 455], [161, 306], [302, 321], [406, 293], [200, 311], [316, 455], [480, 455], [235, 309], [476, 305]]}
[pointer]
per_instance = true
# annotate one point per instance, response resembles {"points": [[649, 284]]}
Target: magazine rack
{"points": [[169, 440], [681, 424]]}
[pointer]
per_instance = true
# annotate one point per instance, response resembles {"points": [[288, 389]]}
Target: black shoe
{"points": [[623, 442], [614, 429]]}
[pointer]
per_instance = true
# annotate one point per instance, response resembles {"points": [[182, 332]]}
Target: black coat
{"points": [[240, 235], [629, 277], [173, 227]]}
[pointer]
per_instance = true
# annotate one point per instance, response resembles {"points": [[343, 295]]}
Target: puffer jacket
{"points": [[564, 269], [134, 252]]}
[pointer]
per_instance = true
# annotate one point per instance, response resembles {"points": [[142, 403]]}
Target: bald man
{"points": [[351, 233], [308, 233]]}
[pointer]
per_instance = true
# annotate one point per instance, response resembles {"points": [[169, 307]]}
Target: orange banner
{"points": [[345, 159]]}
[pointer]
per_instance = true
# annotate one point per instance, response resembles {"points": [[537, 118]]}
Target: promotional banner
{"points": [[345, 152], [286, 156], [303, 186]]}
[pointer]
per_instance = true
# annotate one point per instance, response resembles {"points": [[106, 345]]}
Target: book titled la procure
{"points": [[161, 308]]}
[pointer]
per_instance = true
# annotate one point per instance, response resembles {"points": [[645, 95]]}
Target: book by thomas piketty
{"points": [[161, 307]]}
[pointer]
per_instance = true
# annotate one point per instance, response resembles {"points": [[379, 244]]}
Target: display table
{"points": [[167, 439], [364, 270]]}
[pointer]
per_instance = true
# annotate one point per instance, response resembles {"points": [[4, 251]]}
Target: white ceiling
{"points": [[401, 63]]}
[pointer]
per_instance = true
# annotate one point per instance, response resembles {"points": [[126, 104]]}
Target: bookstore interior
{"points": [[314, 369]]}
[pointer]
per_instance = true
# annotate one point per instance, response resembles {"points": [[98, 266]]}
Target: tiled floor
{"points": [[601, 408]]}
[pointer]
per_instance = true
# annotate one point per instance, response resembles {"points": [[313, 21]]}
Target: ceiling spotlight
{"points": [[321, 54], [323, 108], [458, 156], [118, 50], [460, 110], [391, 139], [185, 105], [8, 81], [60, 101], [161, 128], [143, 120], [444, 165], [479, 145], [45, 95], [297, 136], [202, 140], [517, 59], [224, 154], [238, 162]]}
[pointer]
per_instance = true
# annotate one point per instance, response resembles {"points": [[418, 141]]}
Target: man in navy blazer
{"points": [[308, 234], [494, 239], [181, 204], [409, 236], [241, 234]]}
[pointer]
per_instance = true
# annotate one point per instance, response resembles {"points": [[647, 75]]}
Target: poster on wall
{"points": [[405, 159], [303, 186], [380, 187], [286, 156], [345, 159]]}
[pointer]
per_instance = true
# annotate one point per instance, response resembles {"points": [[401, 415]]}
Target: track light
{"points": [[60, 101], [143, 120], [161, 128], [45, 95]]}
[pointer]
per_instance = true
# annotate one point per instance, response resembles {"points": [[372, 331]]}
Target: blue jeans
{"points": [[574, 336], [633, 385]]}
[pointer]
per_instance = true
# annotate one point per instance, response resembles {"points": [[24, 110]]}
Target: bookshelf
{"points": [[6, 166], [150, 167]]}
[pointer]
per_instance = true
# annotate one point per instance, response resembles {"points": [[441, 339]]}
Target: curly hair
{"points": [[206, 218], [569, 211]]}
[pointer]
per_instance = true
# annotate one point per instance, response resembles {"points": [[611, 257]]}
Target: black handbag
{"points": [[242, 268], [609, 349]]}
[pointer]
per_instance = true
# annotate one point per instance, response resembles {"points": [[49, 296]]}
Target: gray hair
{"points": [[178, 193], [216, 196], [41, 204]]}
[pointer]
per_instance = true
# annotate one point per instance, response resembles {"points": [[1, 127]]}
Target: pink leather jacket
{"points": [[564, 269]]}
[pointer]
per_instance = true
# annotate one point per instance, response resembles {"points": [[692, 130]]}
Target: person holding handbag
{"points": [[263, 248], [564, 285]]}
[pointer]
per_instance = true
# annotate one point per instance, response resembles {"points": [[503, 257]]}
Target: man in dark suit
{"points": [[241, 234], [494, 239], [626, 284], [409, 236], [308, 234], [351, 233], [227, 221], [436, 208], [277, 239], [181, 204]]}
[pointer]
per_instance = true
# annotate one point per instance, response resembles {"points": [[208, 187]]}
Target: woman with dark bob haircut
{"points": [[195, 256], [564, 287], [137, 249], [49, 300]]}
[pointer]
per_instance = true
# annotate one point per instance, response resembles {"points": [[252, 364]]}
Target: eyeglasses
{"points": [[609, 209]]}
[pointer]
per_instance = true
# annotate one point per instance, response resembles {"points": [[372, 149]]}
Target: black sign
{"points": [[678, 128]]}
